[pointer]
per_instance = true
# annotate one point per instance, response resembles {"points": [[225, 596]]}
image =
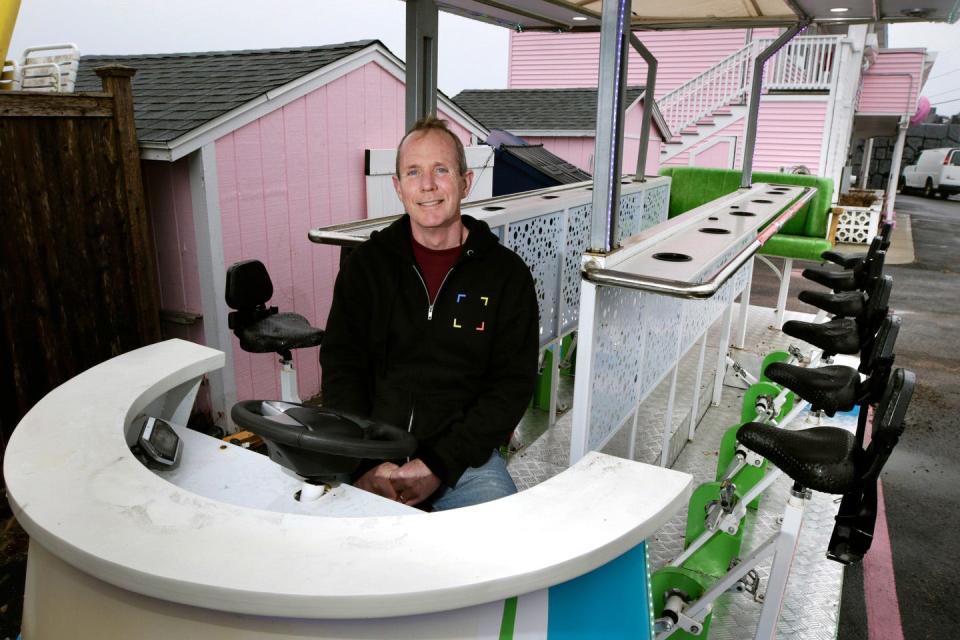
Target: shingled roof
{"points": [[178, 92], [536, 109], [547, 163]]}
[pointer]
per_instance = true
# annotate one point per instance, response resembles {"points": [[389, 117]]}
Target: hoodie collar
{"points": [[396, 237]]}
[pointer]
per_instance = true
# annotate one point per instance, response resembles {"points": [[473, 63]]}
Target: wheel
{"points": [[928, 189], [901, 185], [316, 442], [944, 193]]}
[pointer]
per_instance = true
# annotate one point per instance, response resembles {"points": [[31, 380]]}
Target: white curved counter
{"points": [[104, 528]]}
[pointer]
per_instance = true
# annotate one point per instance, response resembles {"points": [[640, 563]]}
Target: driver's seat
{"points": [[263, 329]]}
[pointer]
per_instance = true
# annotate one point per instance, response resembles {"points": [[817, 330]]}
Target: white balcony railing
{"points": [[806, 63]]}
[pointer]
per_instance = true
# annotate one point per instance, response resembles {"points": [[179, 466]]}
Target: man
{"points": [[434, 327]]}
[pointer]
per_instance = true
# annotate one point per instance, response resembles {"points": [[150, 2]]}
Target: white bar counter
{"points": [[117, 551]]}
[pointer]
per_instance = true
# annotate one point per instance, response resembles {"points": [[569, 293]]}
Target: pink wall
{"points": [[892, 84], [717, 155], [578, 151], [795, 125], [167, 188], [297, 168], [545, 60]]}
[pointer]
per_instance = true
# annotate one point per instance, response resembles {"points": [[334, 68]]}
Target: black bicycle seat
{"points": [[830, 389], [862, 276], [839, 335], [833, 279], [821, 458], [316, 442], [849, 304], [262, 329], [845, 260], [278, 332], [880, 242]]}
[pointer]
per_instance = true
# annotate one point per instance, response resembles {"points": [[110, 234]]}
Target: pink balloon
{"points": [[923, 108]]}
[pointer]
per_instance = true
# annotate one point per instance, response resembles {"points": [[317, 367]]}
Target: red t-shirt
{"points": [[434, 265]]}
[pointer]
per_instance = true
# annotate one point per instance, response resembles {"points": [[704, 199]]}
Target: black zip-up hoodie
{"points": [[459, 373]]}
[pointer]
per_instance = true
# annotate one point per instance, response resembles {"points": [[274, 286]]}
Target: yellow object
{"points": [[8, 18]]}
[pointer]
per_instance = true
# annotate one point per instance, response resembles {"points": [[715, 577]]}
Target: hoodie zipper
{"points": [[427, 291]]}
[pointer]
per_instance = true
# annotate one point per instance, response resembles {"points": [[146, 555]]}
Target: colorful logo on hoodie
{"points": [[465, 300]]}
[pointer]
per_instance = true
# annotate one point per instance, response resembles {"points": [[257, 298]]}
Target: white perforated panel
{"points": [[578, 234], [630, 216], [656, 205], [537, 240], [640, 337], [662, 323], [617, 356]]}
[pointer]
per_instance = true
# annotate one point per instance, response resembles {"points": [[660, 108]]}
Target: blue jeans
{"points": [[480, 484]]}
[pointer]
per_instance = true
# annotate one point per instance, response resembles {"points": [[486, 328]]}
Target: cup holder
{"points": [[717, 231], [493, 208], [744, 214], [672, 257], [761, 201]]}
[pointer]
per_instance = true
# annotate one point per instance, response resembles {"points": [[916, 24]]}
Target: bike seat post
{"points": [[288, 378], [784, 553]]}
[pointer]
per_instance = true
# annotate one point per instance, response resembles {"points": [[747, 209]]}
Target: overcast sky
{"points": [[473, 55]]}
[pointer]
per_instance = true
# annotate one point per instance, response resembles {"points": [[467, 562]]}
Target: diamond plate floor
{"points": [[812, 603]]}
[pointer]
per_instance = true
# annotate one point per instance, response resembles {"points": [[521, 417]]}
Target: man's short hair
{"points": [[433, 123]]}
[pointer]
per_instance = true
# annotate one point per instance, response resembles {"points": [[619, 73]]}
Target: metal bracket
{"points": [[749, 583], [720, 510]]}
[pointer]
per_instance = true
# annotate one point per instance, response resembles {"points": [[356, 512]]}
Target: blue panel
{"points": [[610, 602]]}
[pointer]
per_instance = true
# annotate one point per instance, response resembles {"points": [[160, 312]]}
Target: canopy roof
{"points": [[584, 15]]}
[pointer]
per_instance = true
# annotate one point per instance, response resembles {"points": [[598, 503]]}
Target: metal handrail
{"points": [[695, 290], [807, 63]]}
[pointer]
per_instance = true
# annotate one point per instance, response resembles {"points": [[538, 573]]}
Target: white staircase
{"points": [[717, 98]]}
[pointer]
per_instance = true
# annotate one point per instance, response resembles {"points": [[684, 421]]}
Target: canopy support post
{"points": [[421, 80], [648, 102], [614, 30], [756, 85], [896, 158]]}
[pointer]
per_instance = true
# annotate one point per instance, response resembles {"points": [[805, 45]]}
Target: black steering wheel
{"points": [[318, 443]]}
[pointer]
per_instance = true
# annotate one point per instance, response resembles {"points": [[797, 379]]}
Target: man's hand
{"points": [[414, 482], [377, 480]]}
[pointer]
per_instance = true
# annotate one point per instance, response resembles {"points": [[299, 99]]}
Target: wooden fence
{"points": [[78, 276]]}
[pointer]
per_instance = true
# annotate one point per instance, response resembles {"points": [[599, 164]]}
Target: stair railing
{"points": [[722, 84], [806, 63]]}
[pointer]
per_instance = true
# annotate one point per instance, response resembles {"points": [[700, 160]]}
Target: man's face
{"points": [[430, 185]]}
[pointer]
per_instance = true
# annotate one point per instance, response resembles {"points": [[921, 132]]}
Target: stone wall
{"points": [[926, 135]]}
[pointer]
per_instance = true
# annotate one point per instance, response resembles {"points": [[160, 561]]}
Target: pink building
{"points": [[243, 153], [563, 120], [819, 91]]}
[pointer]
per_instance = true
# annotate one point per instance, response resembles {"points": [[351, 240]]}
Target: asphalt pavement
{"points": [[921, 482]]}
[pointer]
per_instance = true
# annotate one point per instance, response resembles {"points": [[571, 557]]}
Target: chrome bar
{"points": [[680, 289]]}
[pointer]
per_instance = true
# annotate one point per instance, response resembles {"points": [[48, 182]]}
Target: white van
{"points": [[936, 171]]}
